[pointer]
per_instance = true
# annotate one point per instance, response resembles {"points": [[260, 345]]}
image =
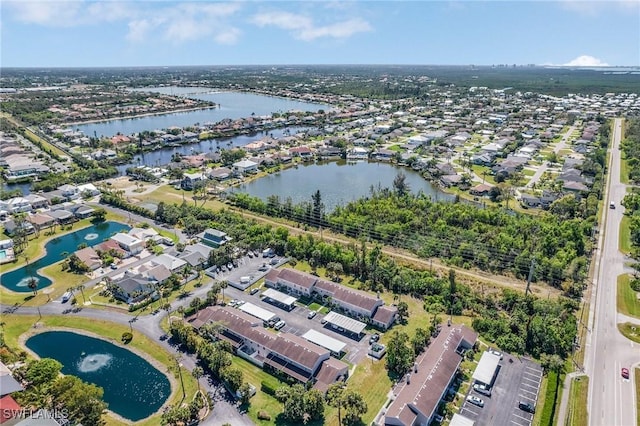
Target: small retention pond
{"points": [[133, 388], [55, 251]]}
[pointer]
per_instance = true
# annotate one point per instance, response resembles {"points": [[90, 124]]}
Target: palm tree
{"points": [[223, 284], [33, 285], [197, 373]]}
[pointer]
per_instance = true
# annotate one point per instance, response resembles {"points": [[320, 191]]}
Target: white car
{"points": [[495, 352], [279, 325], [475, 401], [482, 388]]}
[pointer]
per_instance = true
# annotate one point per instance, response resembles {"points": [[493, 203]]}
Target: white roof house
{"points": [[244, 166], [170, 262]]}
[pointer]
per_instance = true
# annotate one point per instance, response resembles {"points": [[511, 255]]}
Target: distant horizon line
{"points": [[329, 65]]}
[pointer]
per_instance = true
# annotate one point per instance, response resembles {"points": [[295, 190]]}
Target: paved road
{"points": [[611, 399], [562, 144]]}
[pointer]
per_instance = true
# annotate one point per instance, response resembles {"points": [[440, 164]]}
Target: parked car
{"points": [[250, 254], [229, 266], [482, 388], [526, 406], [625, 373], [612, 205], [495, 352], [274, 261], [254, 291], [374, 338], [311, 314], [279, 325], [475, 401], [68, 295]]}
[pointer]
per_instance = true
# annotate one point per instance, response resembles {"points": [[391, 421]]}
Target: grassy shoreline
{"points": [[20, 328]]}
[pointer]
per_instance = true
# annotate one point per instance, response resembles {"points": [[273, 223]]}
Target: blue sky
{"points": [[147, 33]]}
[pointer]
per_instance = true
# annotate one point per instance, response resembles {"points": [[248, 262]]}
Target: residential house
{"points": [[220, 173], [37, 201], [89, 257], [192, 180], [132, 289], [426, 385], [301, 151], [196, 255], [16, 205], [213, 238], [245, 166], [81, 211], [10, 227], [88, 189], [172, 263], [111, 246], [481, 190], [295, 282], [41, 221], [143, 234], [69, 192], [62, 216], [128, 243]]}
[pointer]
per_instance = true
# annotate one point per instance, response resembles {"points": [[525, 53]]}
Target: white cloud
{"points": [[175, 21], [304, 28], [50, 13], [229, 36], [594, 8], [586, 61]]}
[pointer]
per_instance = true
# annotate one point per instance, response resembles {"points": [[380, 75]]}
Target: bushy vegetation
{"points": [[631, 148]]}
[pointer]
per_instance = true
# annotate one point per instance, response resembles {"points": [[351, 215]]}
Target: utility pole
{"points": [[533, 265]]}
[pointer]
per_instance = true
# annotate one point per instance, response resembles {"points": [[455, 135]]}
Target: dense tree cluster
{"points": [[300, 405], [46, 388], [631, 148], [520, 324]]}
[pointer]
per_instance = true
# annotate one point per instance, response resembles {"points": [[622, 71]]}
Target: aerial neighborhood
{"points": [[376, 245]]}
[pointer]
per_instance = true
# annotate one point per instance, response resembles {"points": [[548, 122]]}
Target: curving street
{"points": [[611, 398]]}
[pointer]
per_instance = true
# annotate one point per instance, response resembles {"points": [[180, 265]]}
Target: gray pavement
{"points": [[611, 398]]}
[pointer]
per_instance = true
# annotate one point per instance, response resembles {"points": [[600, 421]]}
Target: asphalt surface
{"points": [[515, 381], [611, 398]]}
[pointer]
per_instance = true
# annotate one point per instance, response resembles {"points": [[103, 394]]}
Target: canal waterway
{"points": [[56, 250], [232, 105], [162, 156], [133, 388], [339, 182]]}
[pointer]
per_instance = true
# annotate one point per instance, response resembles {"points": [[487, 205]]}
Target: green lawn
{"points": [[19, 325], [578, 415], [630, 331], [260, 401], [624, 170], [637, 376], [627, 299], [528, 172], [625, 235]]}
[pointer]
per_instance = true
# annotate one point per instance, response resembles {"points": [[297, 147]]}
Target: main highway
{"points": [[611, 398]]}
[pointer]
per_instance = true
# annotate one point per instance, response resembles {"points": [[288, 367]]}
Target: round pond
{"points": [[133, 388]]}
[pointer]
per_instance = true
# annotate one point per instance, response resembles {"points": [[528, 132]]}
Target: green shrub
{"points": [[635, 284], [267, 388], [550, 399], [126, 337]]}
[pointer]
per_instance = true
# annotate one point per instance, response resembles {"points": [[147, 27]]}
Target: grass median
{"points": [[627, 299], [579, 393]]}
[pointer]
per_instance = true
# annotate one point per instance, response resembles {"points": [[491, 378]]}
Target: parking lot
{"points": [[516, 381], [296, 320]]}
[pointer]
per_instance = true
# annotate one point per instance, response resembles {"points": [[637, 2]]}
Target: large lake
{"points": [[133, 388], [55, 251], [231, 105], [339, 182]]}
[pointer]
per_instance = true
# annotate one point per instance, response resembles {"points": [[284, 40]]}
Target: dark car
{"points": [[526, 406], [625, 373]]}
